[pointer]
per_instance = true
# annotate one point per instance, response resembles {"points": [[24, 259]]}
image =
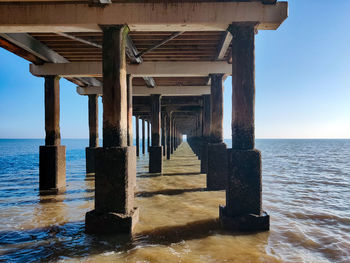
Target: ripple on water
{"points": [[305, 190]]}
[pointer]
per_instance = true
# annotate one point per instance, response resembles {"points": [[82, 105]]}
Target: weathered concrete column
{"points": [[172, 127], [143, 136], [52, 156], [129, 98], [243, 209], [148, 134], [168, 137], [164, 134], [217, 150], [137, 136], [155, 151], [115, 162], [93, 134], [206, 133]]}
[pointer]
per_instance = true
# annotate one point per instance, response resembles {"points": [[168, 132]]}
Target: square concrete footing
{"points": [[90, 160], [155, 159], [52, 169], [115, 179], [246, 223], [244, 190], [110, 222], [217, 166]]}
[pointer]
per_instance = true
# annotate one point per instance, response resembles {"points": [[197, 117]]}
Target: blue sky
{"points": [[302, 82]]}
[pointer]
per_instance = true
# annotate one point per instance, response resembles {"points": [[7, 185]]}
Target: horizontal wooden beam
{"points": [[145, 91], [146, 69], [157, 16]]}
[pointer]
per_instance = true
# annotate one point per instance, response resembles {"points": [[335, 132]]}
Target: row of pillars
{"points": [[237, 170]]}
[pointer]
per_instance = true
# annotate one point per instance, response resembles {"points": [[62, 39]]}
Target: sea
{"points": [[306, 192]]}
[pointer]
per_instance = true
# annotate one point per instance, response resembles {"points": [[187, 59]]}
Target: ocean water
{"points": [[306, 191]]}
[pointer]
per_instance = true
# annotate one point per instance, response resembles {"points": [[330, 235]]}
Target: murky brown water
{"points": [[178, 223]]}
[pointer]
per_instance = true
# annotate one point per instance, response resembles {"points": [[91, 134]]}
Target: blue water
{"points": [[306, 190]]}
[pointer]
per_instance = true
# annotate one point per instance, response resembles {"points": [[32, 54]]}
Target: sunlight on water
{"points": [[305, 190]]}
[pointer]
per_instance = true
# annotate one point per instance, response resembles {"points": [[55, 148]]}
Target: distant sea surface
{"points": [[306, 191]]}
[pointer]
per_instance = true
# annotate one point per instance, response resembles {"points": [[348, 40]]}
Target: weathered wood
{"points": [[145, 91], [137, 119], [93, 120], [156, 120], [129, 98], [217, 113], [224, 45], [146, 69], [52, 111], [156, 16], [114, 86], [243, 85]]}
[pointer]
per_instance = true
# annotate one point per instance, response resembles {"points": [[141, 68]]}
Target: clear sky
{"points": [[302, 82]]}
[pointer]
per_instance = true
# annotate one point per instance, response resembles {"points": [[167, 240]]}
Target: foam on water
{"points": [[305, 190]]}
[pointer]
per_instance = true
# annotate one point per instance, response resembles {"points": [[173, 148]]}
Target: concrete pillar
{"points": [[164, 134], [243, 209], [206, 133], [93, 134], [155, 151], [129, 107], [148, 134], [217, 150], [172, 127], [137, 136], [168, 137], [52, 156], [115, 162], [143, 136]]}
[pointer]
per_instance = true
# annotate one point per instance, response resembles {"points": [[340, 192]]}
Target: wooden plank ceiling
{"points": [[189, 46]]}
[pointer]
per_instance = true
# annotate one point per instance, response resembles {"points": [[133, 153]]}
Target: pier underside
{"points": [[163, 62]]}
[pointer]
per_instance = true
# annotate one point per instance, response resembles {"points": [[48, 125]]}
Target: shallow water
{"points": [[306, 191]]}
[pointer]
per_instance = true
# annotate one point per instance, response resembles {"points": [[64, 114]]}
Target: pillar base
{"points": [[217, 166], [52, 169], [110, 222], [155, 159], [244, 190], [248, 222], [90, 160]]}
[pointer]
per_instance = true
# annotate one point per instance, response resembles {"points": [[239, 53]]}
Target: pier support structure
{"points": [[93, 134], [206, 133], [243, 210], [148, 134], [143, 136], [169, 134], [137, 120], [155, 151], [52, 156], [217, 150], [164, 133], [115, 162]]}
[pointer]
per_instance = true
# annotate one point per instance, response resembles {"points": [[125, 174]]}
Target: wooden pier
{"points": [[163, 62]]}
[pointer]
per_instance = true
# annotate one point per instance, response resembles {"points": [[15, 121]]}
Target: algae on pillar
{"points": [[217, 150], [155, 151], [243, 210], [115, 162], [93, 134]]}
